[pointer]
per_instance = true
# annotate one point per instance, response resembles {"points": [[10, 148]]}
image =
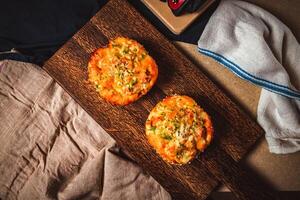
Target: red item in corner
{"points": [[175, 4]]}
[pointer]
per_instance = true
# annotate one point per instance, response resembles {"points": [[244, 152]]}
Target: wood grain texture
{"points": [[235, 132]]}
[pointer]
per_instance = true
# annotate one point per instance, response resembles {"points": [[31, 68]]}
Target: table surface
{"points": [[281, 171], [199, 178]]}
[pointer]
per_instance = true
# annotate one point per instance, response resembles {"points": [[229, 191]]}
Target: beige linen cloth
{"points": [[50, 148]]}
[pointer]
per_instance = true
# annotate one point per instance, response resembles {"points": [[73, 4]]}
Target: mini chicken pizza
{"points": [[122, 72], [177, 128]]}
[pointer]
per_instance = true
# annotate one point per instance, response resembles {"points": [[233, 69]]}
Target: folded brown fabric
{"points": [[50, 148]]}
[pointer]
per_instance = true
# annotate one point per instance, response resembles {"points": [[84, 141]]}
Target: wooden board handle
{"points": [[242, 183]]}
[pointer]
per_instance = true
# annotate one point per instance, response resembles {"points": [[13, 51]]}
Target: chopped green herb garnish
{"points": [[167, 137], [144, 56], [126, 50], [97, 87], [163, 114], [116, 45], [132, 83], [153, 128]]}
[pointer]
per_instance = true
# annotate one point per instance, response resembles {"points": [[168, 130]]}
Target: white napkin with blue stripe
{"points": [[257, 47]]}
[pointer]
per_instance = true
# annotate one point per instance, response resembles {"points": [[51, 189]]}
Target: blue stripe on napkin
{"points": [[274, 87]]}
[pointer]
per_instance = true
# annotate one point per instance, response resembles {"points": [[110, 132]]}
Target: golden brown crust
{"points": [[177, 128], [123, 71]]}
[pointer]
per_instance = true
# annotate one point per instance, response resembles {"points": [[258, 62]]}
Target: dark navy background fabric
{"points": [[37, 28]]}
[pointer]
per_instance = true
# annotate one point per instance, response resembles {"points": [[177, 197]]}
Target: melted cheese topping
{"points": [[177, 127], [123, 71]]}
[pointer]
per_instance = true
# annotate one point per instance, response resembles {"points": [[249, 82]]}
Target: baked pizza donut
{"points": [[177, 128], [122, 72]]}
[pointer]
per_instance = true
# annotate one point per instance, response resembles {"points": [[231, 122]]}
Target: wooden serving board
{"points": [[235, 132]]}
